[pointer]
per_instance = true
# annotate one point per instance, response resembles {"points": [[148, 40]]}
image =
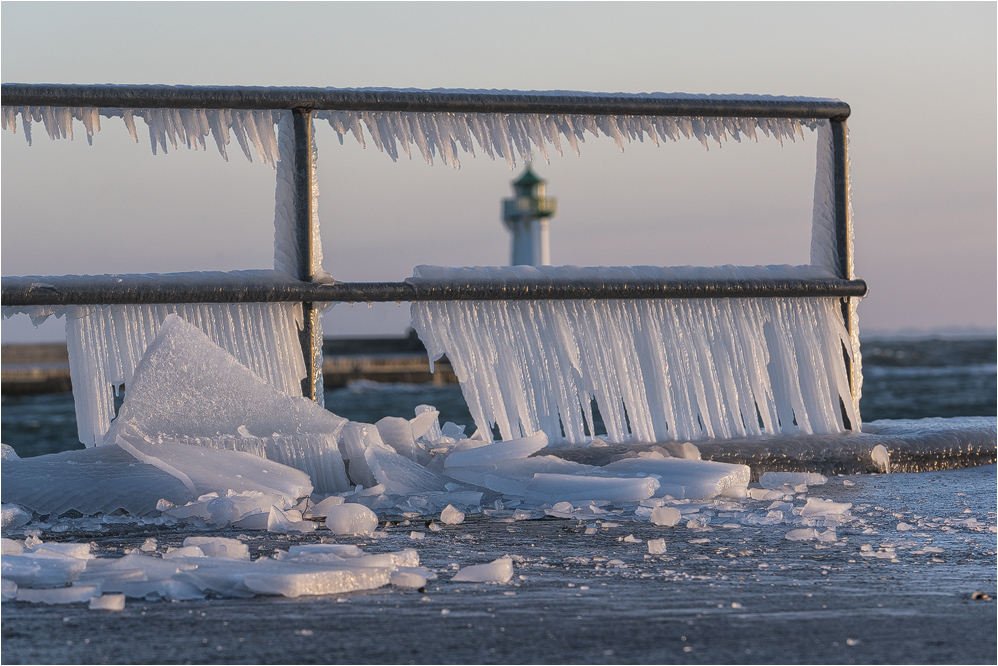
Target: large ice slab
{"points": [[685, 479], [135, 475], [187, 389], [46, 573]]}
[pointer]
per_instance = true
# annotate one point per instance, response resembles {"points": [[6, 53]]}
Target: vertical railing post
{"points": [[843, 231], [304, 210]]}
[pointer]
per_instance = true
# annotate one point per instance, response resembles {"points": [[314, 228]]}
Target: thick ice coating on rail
{"points": [[659, 370], [503, 135]]}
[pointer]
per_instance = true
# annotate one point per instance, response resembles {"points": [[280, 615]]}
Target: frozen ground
{"points": [[717, 595]]}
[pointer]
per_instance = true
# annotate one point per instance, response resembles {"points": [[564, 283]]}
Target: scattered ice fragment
{"points": [[881, 458], [771, 480], [802, 534], [148, 546], [568, 487], [186, 551], [9, 590], [11, 547], [397, 433], [904, 527], [665, 516], [498, 451], [59, 595], [351, 519], [111, 602], [451, 516], [219, 547], [630, 538], [426, 425], [684, 478], [322, 508], [497, 571], [417, 536], [407, 581], [656, 546], [817, 507], [12, 516]]}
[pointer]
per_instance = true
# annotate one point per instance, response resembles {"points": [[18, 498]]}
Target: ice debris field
{"points": [[201, 443]]}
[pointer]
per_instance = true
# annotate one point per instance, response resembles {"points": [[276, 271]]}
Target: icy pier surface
{"points": [[582, 591]]}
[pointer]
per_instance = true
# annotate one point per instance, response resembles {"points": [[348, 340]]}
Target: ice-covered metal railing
{"points": [[303, 102], [272, 287]]}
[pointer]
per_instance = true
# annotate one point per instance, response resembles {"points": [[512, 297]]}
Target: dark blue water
{"points": [[903, 379]]}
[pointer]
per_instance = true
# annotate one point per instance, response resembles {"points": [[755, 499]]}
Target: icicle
{"points": [[659, 370], [107, 342], [501, 135]]}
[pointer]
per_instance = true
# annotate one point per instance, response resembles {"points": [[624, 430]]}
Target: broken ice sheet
{"points": [[219, 566], [189, 390], [683, 478]]}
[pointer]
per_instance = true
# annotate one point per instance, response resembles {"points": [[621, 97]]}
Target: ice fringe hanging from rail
{"points": [[106, 342], [659, 369], [443, 134]]}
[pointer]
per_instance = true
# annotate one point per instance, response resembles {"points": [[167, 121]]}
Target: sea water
{"points": [[903, 379]]}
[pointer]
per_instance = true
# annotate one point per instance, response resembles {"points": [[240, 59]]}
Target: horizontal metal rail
{"points": [[138, 289], [425, 101]]}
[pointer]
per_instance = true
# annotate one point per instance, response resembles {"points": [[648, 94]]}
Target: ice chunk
{"points": [[236, 507], [802, 534], [881, 458], [397, 433], [567, 487], [817, 507], [511, 477], [772, 480], [400, 475], [60, 595], [8, 452], [9, 590], [656, 546], [498, 571], [408, 581], [124, 483], [498, 451], [11, 515], [665, 516], [347, 519], [189, 390], [451, 516], [323, 507], [12, 547], [426, 424], [186, 551], [219, 547], [111, 602], [683, 478], [310, 580]]}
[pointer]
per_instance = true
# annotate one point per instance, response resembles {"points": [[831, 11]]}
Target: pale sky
{"points": [[920, 78]]}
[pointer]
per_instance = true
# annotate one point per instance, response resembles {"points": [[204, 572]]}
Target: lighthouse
{"points": [[526, 216]]}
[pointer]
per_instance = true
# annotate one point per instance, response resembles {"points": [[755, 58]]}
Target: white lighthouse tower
{"points": [[526, 216]]}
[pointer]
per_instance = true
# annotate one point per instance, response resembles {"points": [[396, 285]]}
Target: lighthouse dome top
{"points": [[528, 179]]}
